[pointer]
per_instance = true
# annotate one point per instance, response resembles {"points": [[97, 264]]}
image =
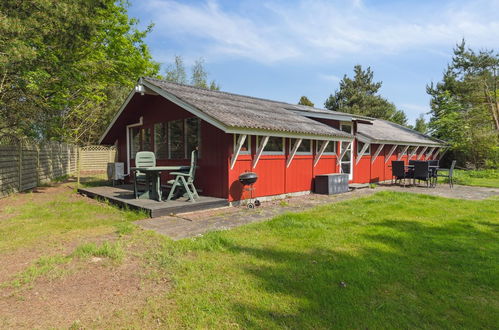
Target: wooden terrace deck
{"points": [[123, 196]]}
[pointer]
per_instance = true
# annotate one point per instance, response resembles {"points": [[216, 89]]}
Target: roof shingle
{"points": [[238, 111], [385, 131]]}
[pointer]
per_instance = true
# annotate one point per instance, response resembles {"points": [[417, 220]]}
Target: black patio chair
{"points": [[448, 175], [422, 172], [433, 169], [410, 170], [398, 171]]}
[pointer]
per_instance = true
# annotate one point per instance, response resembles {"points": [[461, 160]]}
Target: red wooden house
{"points": [[287, 145]]}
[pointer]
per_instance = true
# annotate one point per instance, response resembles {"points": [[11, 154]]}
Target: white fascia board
{"points": [[401, 143], [249, 131], [123, 106]]}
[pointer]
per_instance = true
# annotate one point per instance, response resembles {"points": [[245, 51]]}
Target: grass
{"points": [[50, 266], [44, 266], [405, 261], [62, 218], [482, 178], [113, 251], [390, 260]]}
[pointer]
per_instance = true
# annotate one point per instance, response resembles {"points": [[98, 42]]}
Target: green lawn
{"points": [[407, 261], [482, 178], [61, 218]]}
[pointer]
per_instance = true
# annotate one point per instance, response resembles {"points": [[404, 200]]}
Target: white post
{"points": [[430, 152], [421, 153], [376, 154], [413, 152], [391, 153], [259, 151], [403, 152], [321, 151], [359, 155], [293, 152], [240, 141]]}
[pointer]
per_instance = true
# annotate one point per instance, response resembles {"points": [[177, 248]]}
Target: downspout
{"points": [[139, 123]]}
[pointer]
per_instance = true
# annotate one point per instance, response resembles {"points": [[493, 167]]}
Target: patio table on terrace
{"points": [[153, 179]]}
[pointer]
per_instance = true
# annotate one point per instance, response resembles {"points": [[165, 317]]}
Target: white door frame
{"points": [[350, 175]]}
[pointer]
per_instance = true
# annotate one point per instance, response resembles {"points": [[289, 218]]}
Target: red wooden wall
{"points": [[211, 176], [273, 176]]}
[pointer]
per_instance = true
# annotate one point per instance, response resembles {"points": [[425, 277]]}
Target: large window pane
{"points": [[246, 147], [134, 141], [275, 144], [192, 135], [305, 146], [146, 139], [330, 148], [161, 140], [346, 128], [360, 145], [345, 167], [176, 139]]}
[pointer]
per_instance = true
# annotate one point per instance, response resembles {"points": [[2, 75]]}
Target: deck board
{"points": [[123, 197]]}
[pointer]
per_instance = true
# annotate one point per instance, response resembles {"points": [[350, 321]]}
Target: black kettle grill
{"points": [[248, 179]]}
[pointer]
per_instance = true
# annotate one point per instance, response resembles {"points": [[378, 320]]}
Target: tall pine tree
{"points": [[359, 95]]}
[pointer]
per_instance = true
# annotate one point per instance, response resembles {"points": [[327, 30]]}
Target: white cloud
{"points": [[330, 77], [322, 30]]}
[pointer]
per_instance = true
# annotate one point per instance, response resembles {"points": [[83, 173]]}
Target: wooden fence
{"points": [[25, 165]]}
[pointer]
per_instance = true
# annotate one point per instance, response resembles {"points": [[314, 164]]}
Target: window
{"points": [[146, 139], [360, 145], [346, 127], [275, 145], [192, 129], [246, 148], [330, 148], [161, 140], [305, 147], [134, 141], [176, 142]]}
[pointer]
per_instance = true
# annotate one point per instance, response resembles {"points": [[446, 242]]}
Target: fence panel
{"points": [[9, 168], [24, 164]]}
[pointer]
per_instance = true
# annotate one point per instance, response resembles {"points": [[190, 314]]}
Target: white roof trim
{"points": [[365, 138]]}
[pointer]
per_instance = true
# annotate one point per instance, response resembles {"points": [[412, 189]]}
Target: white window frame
{"points": [[241, 152], [276, 153], [331, 142], [368, 150]]}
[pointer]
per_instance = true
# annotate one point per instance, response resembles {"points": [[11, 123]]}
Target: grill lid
{"points": [[248, 178]]}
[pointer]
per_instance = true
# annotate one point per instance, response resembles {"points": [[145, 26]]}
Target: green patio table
{"points": [[153, 179]]}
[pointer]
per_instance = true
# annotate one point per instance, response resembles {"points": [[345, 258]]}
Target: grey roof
{"points": [[385, 131], [313, 110], [238, 111]]}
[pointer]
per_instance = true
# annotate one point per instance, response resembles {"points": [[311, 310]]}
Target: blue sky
{"points": [[282, 50]]}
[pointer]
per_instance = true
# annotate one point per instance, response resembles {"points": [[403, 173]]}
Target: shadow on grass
{"points": [[396, 274]]}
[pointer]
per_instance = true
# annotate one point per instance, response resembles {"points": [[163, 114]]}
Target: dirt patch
{"points": [[94, 290]]}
